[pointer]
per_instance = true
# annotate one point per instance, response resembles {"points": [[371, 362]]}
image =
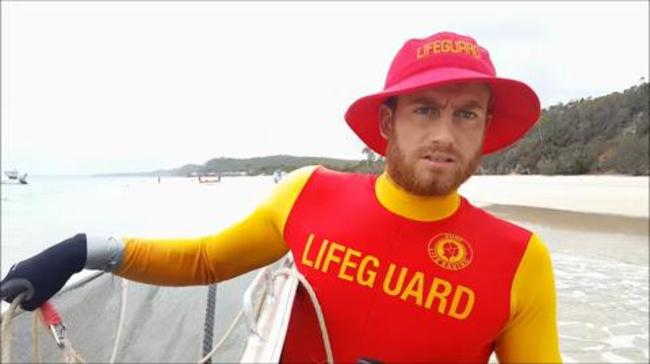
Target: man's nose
{"points": [[441, 132]]}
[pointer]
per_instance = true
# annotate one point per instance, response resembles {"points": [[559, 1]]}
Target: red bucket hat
{"points": [[445, 58]]}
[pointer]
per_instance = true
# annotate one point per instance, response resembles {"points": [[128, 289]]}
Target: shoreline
{"points": [[572, 220], [608, 195]]}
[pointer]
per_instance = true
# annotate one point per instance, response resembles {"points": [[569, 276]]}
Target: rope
{"points": [[5, 328], [36, 357], [223, 338], [314, 300], [52, 320], [120, 324], [208, 326], [319, 314], [69, 354]]}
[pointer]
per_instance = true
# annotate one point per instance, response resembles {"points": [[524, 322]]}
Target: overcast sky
{"points": [[94, 87]]}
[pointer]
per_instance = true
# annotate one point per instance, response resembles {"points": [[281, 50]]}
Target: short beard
{"points": [[404, 174]]}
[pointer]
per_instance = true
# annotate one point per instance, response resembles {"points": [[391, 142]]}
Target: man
{"points": [[404, 268]]}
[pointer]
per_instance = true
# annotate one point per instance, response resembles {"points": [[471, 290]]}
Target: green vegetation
{"points": [[258, 165], [373, 163], [605, 135]]}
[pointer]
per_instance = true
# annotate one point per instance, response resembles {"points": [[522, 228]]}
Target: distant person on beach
{"points": [[277, 176], [405, 268]]}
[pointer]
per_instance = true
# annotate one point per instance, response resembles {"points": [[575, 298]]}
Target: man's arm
{"points": [[531, 334], [253, 242]]}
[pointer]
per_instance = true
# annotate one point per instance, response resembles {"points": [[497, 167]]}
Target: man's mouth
{"points": [[439, 158]]}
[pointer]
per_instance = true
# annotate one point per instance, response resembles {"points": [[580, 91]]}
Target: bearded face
{"points": [[435, 137], [433, 181]]}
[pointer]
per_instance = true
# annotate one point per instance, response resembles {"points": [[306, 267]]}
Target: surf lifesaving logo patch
{"points": [[450, 251]]}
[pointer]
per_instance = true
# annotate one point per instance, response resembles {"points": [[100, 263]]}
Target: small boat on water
{"points": [[13, 174], [13, 177], [210, 178]]}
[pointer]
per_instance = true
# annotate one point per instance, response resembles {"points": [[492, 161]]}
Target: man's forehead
{"points": [[472, 91]]}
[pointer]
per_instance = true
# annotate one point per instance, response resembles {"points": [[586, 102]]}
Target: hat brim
{"points": [[515, 110]]}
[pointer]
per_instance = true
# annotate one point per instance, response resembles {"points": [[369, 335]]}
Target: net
{"points": [[161, 325]]}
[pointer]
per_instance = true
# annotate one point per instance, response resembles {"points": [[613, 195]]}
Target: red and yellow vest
{"points": [[395, 289]]}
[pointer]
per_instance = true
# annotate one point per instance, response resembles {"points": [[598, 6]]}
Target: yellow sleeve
{"points": [[255, 241], [531, 333]]}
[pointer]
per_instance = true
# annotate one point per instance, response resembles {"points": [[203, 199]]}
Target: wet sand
{"points": [[620, 238], [572, 220]]}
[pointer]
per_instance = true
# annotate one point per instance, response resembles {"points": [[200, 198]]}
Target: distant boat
{"points": [[13, 174], [210, 178], [15, 178]]}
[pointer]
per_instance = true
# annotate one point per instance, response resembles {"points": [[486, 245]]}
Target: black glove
{"points": [[44, 274]]}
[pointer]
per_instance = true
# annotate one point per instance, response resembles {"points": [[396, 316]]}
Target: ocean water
{"points": [[595, 227]]}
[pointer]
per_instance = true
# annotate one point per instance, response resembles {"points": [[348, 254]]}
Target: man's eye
{"points": [[425, 110], [467, 114]]}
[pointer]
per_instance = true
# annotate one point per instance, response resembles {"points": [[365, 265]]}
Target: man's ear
{"points": [[385, 121]]}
